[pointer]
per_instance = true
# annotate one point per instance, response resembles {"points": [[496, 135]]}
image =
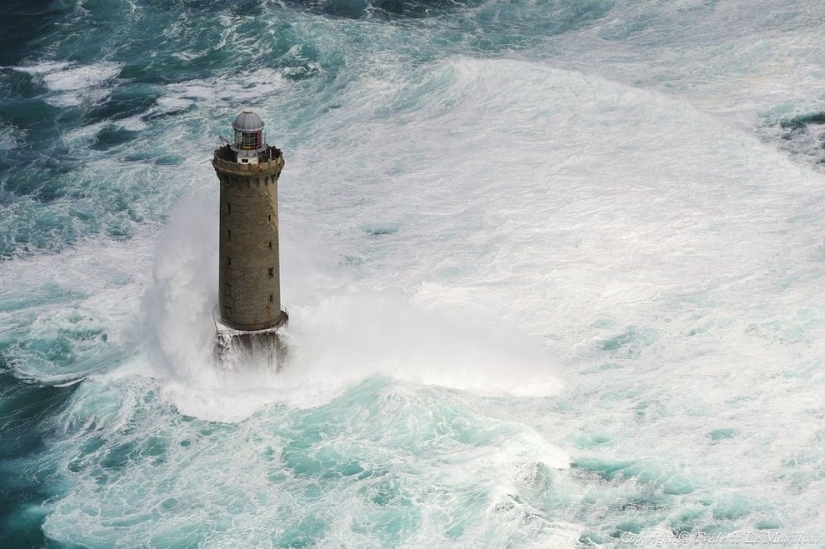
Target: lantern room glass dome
{"points": [[248, 128], [248, 121]]}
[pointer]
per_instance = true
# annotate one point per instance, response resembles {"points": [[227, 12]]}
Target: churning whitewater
{"points": [[554, 273]]}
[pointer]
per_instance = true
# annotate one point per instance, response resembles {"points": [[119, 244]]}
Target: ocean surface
{"points": [[555, 271]]}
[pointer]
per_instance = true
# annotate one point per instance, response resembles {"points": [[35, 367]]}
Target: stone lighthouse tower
{"points": [[249, 305]]}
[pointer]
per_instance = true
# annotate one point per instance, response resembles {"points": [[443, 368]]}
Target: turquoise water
{"points": [[554, 272]]}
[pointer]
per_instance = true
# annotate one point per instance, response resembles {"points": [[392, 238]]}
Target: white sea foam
{"points": [[85, 301], [547, 226], [226, 92], [79, 78], [621, 225], [45, 67], [73, 85], [9, 137], [339, 340]]}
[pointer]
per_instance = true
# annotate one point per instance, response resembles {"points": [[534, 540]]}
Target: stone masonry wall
{"points": [[249, 275]]}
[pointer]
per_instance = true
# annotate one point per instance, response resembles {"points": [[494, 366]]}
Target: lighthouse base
{"points": [[236, 349]]}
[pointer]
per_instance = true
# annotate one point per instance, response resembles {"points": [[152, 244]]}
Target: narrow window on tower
{"points": [[227, 312], [229, 235], [228, 208], [269, 217], [272, 272], [228, 261], [270, 244], [270, 298]]}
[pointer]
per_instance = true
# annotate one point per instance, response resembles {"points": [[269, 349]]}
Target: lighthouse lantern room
{"points": [[249, 137]]}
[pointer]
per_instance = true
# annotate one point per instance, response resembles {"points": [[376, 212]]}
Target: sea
{"points": [[555, 272]]}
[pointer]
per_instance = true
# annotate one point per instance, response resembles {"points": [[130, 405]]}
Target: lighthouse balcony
{"points": [[267, 160]]}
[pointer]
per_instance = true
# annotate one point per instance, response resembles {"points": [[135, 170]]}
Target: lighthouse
{"points": [[249, 311]]}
